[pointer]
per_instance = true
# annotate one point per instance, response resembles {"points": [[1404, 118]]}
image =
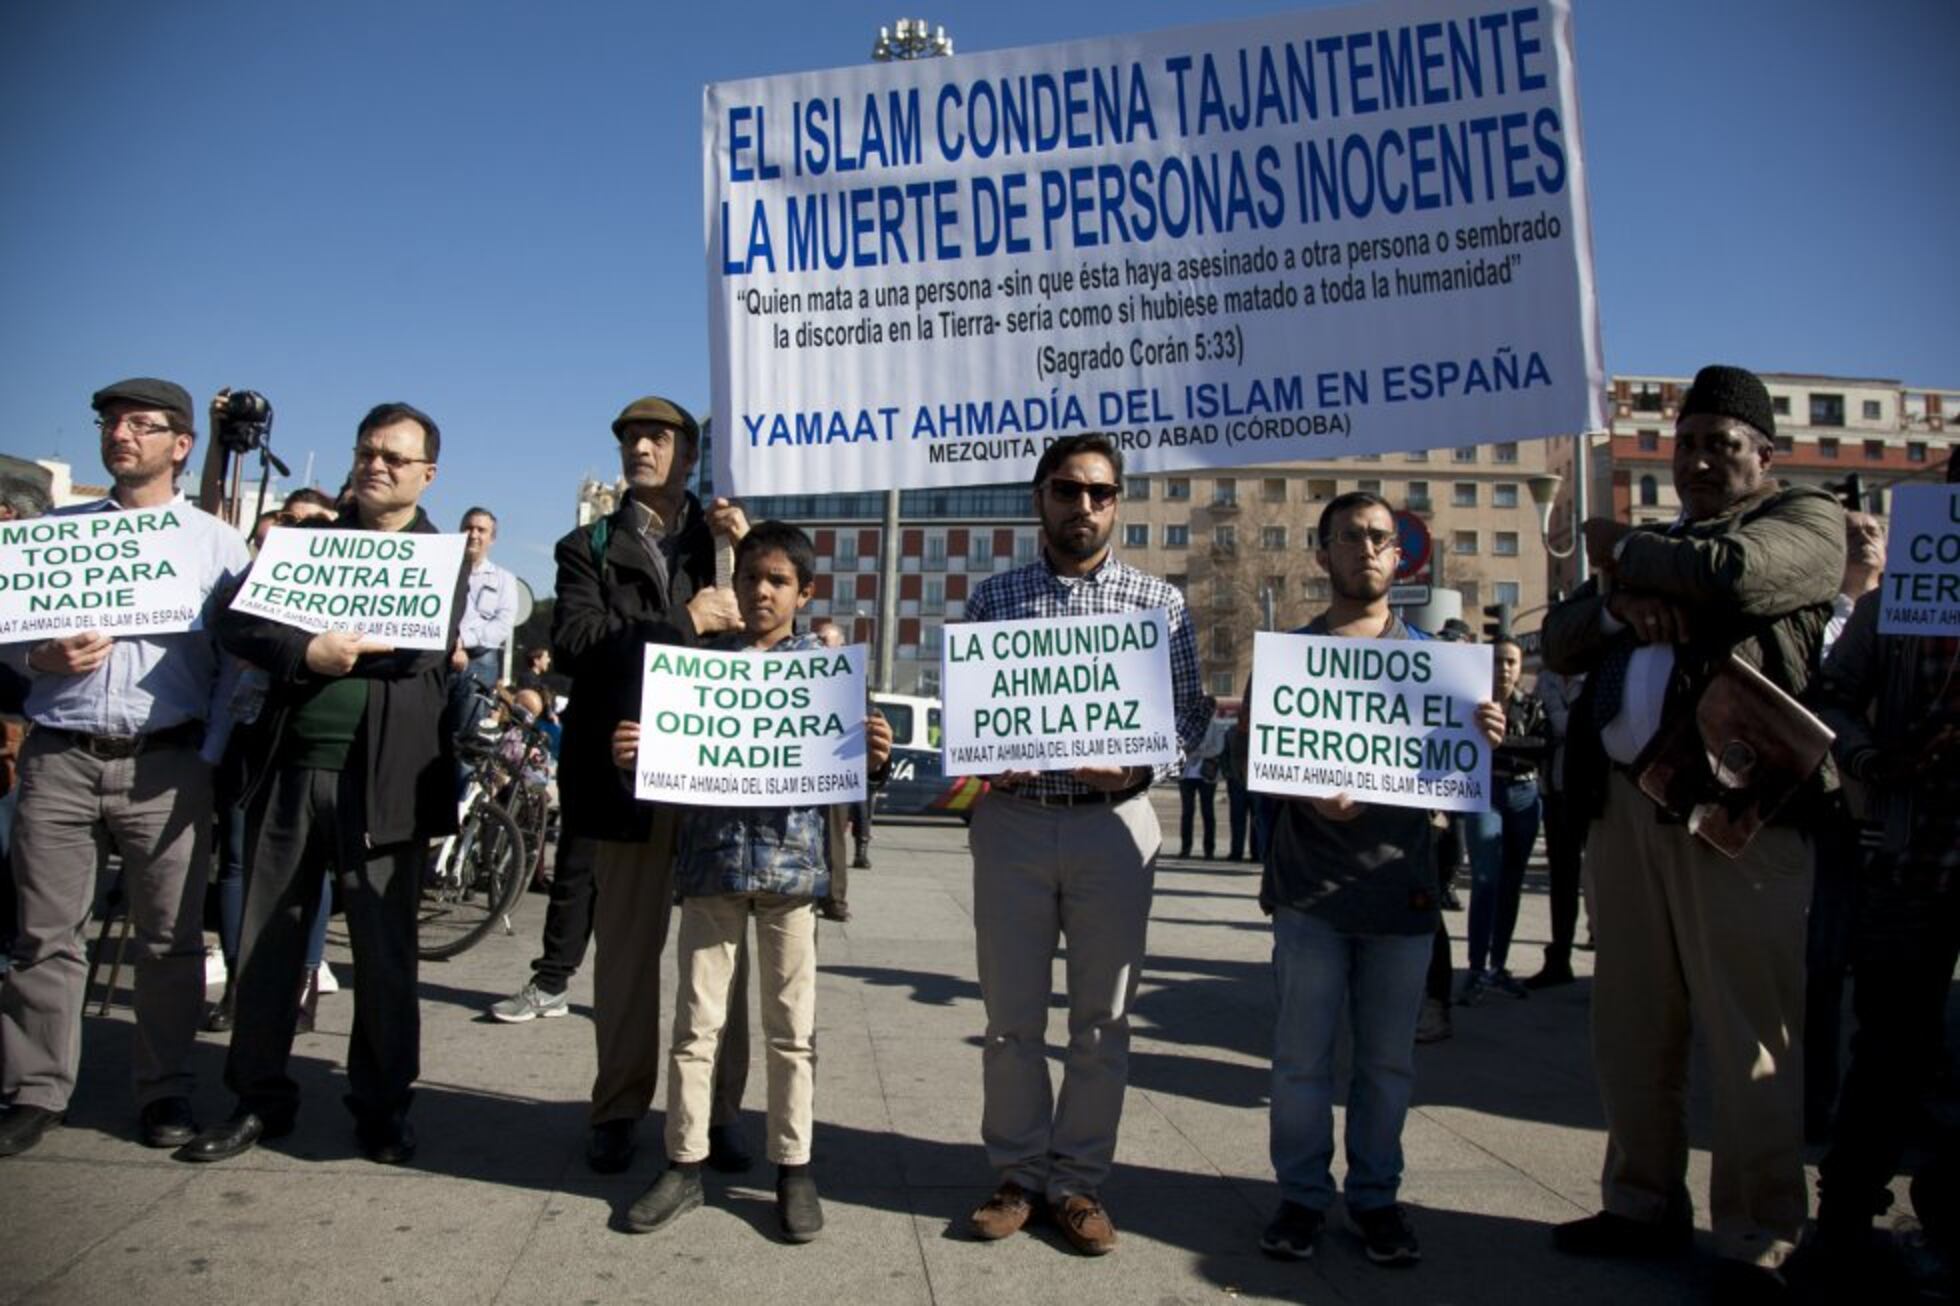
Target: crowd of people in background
{"points": [[250, 759]]}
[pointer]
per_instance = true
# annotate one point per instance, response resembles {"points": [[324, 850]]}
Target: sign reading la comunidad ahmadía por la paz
{"points": [[1383, 721], [1057, 693], [136, 572], [1324, 233], [1920, 592], [752, 729], [395, 586]]}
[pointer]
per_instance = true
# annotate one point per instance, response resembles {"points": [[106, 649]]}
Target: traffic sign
{"points": [[1414, 566]]}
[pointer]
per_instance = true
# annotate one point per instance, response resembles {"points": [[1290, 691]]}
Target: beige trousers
{"points": [[712, 929], [633, 897], [1688, 938]]}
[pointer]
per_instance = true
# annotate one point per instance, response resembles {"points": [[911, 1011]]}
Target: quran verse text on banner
{"points": [[1383, 721], [1303, 236], [749, 729], [390, 585], [1057, 693]]}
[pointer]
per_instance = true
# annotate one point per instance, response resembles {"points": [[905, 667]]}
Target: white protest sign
{"points": [[752, 729], [138, 572], [1057, 693], [1383, 721], [1302, 236], [391, 585], [1921, 588]]}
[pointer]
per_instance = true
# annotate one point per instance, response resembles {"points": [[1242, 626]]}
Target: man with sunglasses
{"points": [[113, 756], [342, 770], [1068, 853]]}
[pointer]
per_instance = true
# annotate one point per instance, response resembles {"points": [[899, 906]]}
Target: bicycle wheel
{"points": [[474, 886]]}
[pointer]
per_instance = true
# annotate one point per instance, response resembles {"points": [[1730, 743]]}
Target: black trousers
{"points": [[1449, 851], [1832, 930], [1202, 793], [305, 822], [1565, 848], [567, 916]]}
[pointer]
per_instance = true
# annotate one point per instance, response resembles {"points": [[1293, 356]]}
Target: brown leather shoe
{"points": [[1003, 1214], [1085, 1224]]}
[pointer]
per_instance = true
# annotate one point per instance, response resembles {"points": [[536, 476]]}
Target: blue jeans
{"points": [[1321, 974], [1500, 845]]}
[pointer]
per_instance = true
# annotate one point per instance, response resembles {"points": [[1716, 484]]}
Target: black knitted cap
{"points": [[1731, 392]]}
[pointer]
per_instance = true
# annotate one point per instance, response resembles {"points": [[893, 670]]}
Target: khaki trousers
{"points": [[712, 930], [633, 887], [1688, 938]]}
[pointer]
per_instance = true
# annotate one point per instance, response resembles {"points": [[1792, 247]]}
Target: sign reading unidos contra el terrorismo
{"points": [[395, 586], [1383, 721], [1921, 589], [136, 572], [1299, 236], [1057, 693], [750, 729]]}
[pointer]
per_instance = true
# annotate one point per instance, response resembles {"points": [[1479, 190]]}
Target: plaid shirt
{"points": [[1036, 591]]}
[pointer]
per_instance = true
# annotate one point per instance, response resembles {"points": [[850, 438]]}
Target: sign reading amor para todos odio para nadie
{"points": [[1920, 594], [1306, 235], [1383, 721], [120, 573], [395, 586], [1056, 693], [752, 729]]}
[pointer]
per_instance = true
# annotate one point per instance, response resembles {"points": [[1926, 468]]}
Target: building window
{"points": [[1646, 398], [1320, 489], [1225, 538], [1827, 446], [1650, 492], [1784, 444], [1275, 586], [1916, 451], [1504, 494], [1874, 451], [1026, 549], [932, 640], [1871, 410], [1470, 591], [1223, 643], [1419, 496], [1315, 589], [1507, 591], [1650, 441], [980, 551], [1368, 485], [1223, 684], [1507, 451], [1464, 454], [1225, 491], [1780, 405], [843, 595], [844, 556], [1178, 488], [1137, 489], [1827, 410], [1272, 538], [935, 551], [1417, 455], [1136, 536], [1505, 544], [1463, 542], [1177, 535], [935, 596], [1273, 489], [1463, 494]]}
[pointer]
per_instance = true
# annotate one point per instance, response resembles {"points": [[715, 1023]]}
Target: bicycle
{"points": [[477, 875]]}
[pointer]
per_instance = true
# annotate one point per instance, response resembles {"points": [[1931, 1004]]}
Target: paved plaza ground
{"points": [[1505, 1140]]}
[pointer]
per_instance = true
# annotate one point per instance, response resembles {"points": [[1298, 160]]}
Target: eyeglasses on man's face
{"points": [[1373, 538], [394, 462], [1064, 490], [132, 424]]}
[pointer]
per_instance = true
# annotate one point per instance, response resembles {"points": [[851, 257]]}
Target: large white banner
{"points": [[1324, 233], [1922, 562], [1057, 693], [391, 585], [745, 729], [139, 572], [1383, 721]]}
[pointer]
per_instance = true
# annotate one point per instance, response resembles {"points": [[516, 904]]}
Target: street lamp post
{"points": [[1544, 493], [912, 40]]}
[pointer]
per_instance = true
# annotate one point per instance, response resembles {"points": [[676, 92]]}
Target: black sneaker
{"points": [[676, 1192], [1387, 1235], [798, 1208], [1291, 1235]]}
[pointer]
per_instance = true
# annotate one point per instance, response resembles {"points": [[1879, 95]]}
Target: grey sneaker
{"points": [[530, 1003]]}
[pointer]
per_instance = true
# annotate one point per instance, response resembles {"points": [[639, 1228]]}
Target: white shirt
{"points": [[1639, 717], [490, 609]]}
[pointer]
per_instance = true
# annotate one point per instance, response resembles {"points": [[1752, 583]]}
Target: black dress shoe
{"points": [[234, 1137], [725, 1151], [610, 1147], [21, 1127], [168, 1122], [1551, 977], [386, 1140]]}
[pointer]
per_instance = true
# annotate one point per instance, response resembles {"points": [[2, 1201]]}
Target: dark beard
{"points": [[1365, 593]]}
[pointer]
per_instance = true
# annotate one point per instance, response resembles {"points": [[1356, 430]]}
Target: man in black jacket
{"points": [[345, 768], [643, 575]]}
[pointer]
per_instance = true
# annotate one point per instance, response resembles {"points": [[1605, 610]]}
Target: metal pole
{"points": [[1581, 476]]}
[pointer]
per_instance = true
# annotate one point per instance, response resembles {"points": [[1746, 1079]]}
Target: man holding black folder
{"points": [[1687, 935]]}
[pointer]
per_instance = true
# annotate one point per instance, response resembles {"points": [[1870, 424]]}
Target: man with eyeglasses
{"points": [[113, 756], [1068, 853], [1690, 940], [344, 769]]}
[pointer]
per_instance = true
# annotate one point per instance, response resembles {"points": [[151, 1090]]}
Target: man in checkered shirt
{"points": [[1068, 853]]}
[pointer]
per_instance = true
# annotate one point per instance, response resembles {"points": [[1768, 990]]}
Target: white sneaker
{"points": [[327, 984], [530, 1003], [214, 968]]}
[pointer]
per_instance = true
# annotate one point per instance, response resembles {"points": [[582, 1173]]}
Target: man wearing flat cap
{"points": [[1688, 938], [643, 575], [113, 755]]}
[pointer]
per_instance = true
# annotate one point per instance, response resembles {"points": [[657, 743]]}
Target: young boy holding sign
{"points": [[734, 864]]}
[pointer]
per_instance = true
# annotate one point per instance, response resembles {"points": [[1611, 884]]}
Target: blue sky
{"points": [[492, 209]]}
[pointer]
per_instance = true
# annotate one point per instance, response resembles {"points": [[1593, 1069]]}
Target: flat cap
{"points": [[146, 392], [652, 408]]}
